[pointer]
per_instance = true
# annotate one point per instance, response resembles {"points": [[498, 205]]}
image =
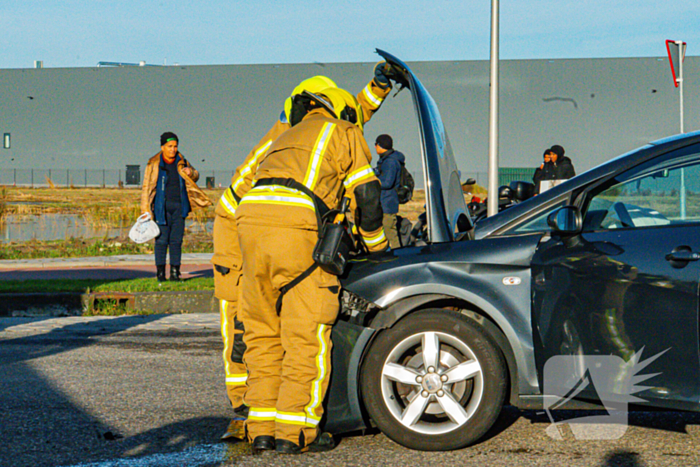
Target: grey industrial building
{"points": [[74, 123]]}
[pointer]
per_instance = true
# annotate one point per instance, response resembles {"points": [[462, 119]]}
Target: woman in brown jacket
{"points": [[169, 193]]}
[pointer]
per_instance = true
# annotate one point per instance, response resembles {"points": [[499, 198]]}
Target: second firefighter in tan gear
{"points": [[288, 356], [227, 254]]}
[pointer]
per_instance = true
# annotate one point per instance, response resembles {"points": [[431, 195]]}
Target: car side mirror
{"points": [[566, 221]]}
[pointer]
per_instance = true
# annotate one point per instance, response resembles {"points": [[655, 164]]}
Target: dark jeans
{"points": [[170, 237]]}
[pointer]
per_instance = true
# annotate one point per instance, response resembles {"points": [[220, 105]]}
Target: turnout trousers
{"points": [[288, 356], [226, 289]]}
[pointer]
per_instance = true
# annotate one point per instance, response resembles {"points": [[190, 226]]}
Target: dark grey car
{"points": [[434, 338]]}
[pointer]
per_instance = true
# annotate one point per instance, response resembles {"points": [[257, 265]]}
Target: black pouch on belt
{"points": [[333, 248]]}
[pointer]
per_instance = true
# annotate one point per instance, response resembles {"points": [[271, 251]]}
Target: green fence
{"points": [[507, 175]]}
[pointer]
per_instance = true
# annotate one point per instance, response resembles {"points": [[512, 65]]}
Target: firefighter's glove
{"points": [[382, 70]]}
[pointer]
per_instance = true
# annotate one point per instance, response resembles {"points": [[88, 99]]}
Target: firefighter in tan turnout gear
{"points": [[227, 253], [288, 355]]}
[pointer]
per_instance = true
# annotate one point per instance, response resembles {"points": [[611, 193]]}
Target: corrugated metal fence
{"points": [[210, 179]]}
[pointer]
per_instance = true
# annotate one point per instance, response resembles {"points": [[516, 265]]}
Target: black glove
{"points": [[381, 70]]}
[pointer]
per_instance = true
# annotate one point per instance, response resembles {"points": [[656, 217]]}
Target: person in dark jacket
{"points": [[563, 168], [555, 167], [389, 172], [544, 172]]}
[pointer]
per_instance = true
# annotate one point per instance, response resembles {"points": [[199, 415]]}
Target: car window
{"points": [[537, 223], [661, 192], [536, 220]]}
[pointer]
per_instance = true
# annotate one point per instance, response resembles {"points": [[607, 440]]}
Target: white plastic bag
{"points": [[144, 229]]}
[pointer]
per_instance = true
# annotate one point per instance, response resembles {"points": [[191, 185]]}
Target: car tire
{"points": [[449, 406]]}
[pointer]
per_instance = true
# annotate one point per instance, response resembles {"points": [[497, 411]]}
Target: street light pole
{"points": [[681, 55], [492, 205]]}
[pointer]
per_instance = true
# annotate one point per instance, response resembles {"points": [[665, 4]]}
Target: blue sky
{"points": [[72, 33]]}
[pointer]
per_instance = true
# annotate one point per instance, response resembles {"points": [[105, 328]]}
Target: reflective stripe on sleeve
{"points": [[374, 99], [249, 166], [363, 173], [228, 202], [376, 239], [317, 152]]}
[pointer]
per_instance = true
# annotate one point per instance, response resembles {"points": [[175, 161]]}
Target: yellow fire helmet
{"points": [[294, 113], [345, 105]]}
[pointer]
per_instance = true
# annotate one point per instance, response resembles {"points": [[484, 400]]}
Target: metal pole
{"points": [[680, 80], [492, 205], [680, 87]]}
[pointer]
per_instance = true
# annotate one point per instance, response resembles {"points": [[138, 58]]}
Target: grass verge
{"points": [[93, 285], [198, 242]]}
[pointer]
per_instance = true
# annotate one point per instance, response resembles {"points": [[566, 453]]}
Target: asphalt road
{"points": [[146, 391]]}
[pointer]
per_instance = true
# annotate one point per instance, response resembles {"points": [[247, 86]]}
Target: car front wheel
{"points": [[435, 381]]}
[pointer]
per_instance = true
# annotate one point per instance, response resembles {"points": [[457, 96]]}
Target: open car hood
{"points": [[448, 217]]}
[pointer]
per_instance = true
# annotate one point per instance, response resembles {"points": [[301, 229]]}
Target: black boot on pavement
{"points": [[323, 442], [175, 273], [264, 443], [160, 273]]}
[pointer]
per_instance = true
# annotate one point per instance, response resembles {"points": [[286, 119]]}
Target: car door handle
{"points": [[683, 255]]}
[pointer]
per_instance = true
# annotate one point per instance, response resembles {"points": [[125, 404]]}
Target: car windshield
{"points": [[448, 218]]}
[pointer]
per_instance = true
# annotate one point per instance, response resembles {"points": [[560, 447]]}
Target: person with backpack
{"points": [[389, 168]]}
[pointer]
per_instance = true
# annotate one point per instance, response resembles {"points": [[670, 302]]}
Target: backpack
{"points": [[405, 186]]}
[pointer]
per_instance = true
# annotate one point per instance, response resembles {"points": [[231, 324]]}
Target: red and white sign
{"points": [[676, 53]]}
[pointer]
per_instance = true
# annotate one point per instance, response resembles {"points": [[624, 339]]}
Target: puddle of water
{"points": [[203, 455], [52, 227], [21, 228]]}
